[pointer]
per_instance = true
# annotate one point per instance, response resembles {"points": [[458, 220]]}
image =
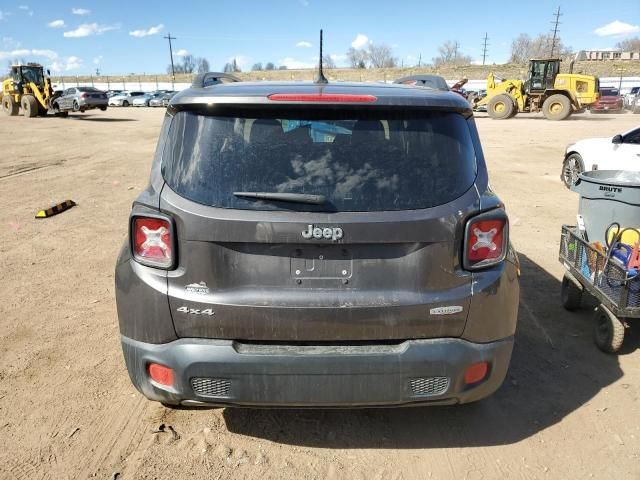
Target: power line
{"points": [[556, 22], [484, 48], [173, 70]]}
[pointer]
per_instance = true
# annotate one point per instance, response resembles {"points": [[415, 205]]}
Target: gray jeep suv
{"points": [[317, 245]]}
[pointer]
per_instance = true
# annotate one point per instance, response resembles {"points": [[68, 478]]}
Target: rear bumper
{"points": [[93, 102], [429, 371]]}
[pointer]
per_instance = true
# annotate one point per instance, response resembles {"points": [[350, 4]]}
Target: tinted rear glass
{"points": [[366, 162]]}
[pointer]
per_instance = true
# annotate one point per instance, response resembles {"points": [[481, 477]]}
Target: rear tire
{"points": [[609, 330], [9, 106], [76, 107], [501, 107], [571, 295], [125, 104], [572, 166], [557, 107], [29, 106], [104, 109]]}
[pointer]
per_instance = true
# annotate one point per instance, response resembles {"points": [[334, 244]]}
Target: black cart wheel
{"points": [[609, 330], [571, 294]]}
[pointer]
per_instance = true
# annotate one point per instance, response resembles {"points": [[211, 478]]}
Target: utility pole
{"points": [[173, 70], [554, 39], [420, 61], [484, 48]]}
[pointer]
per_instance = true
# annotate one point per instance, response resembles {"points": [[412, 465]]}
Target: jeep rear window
{"points": [[359, 160]]}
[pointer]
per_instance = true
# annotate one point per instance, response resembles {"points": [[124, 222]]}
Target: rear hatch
{"points": [[366, 249]]}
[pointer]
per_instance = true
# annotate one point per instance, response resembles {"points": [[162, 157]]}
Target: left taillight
{"points": [[486, 240], [152, 241]]}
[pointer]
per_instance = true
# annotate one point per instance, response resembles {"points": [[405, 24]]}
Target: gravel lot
{"points": [[68, 409]]}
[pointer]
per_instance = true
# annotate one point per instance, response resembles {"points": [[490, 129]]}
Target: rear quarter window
{"points": [[369, 161]]}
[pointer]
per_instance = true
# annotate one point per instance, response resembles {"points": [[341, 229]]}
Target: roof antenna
{"points": [[321, 78]]}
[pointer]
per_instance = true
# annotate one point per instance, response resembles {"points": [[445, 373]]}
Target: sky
{"points": [[77, 37]]}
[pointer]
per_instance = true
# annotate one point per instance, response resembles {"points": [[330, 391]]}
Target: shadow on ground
{"points": [[555, 369], [92, 118]]}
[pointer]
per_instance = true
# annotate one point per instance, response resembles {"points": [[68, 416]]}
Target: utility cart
{"points": [[593, 271]]}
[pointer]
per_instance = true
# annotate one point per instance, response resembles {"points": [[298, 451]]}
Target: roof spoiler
{"points": [[213, 78]]}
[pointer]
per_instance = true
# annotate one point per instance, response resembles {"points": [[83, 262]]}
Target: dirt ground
{"points": [[68, 409]]}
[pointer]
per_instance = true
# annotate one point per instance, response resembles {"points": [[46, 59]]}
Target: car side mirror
{"points": [[617, 139]]}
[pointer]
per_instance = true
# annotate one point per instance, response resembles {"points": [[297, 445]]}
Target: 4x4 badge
{"points": [[330, 233]]}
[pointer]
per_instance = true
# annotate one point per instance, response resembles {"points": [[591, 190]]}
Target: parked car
{"points": [[79, 99], [124, 99], [296, 252], [111, 93], [620, 152], [143, 100], [609, 101], [630, 97], [635, 105], [161, 100], [432, 81]]}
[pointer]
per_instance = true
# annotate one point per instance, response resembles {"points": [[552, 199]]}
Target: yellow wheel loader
{"points": [[29, 89], [556, 94]]}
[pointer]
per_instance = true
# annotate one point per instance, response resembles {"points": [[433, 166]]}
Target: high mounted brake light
{"points": [[152, 241], [322, 97], [486, 240]]}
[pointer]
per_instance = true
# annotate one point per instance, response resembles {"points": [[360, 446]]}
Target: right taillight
{"points": [[152, 241], [486, 240]]}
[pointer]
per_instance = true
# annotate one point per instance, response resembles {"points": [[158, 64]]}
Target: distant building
{"points": [[605, 55]]}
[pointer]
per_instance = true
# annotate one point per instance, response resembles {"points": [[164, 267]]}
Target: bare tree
{"points": [[524, 48], [357, 58], [449, 54], [228, 67], [202, 65], [327, 62], [188, 64], [256, 67], [380, 56], [282, 67], [269, 66], [629, 45]]}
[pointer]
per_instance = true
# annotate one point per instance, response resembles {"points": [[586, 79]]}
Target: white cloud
{"points": [[66, 64], [56, 24], [97, 60], [80, 11], [304, 44], [10, 42], [182, 53], [87, 29], [241, 60], [27, 9], [145, 33], [293, 64], [27, 52], [360, 41], [616, 28]]}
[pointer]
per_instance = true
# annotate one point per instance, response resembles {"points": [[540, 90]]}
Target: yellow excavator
{"points": [[556, 94], [27, 88]]}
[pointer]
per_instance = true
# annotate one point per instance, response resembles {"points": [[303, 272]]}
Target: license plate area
{"points": [[321, 263]]}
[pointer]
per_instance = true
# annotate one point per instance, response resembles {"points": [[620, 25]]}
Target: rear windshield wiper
{"points": [[285, 197]]}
